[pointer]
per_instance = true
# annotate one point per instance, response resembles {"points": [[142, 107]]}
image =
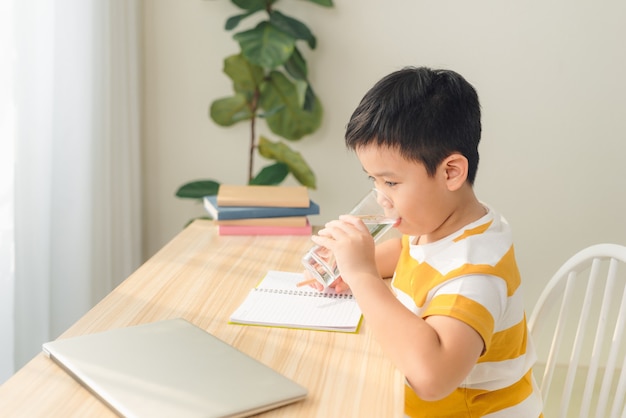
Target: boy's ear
{"points": [[455, 169]]}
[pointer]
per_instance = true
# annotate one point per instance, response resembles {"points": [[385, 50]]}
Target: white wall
{"points": [[550, 75]]}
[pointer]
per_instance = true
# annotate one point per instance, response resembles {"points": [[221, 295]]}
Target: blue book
{"points": [[241, 212]]}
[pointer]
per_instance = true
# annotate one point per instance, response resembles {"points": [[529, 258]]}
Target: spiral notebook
{"points": [[172, 368], [277, 302]]}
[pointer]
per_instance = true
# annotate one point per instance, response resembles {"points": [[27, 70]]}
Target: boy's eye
{"points": [[386, 183]]}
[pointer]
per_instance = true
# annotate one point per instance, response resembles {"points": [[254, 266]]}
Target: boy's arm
{"points": [[435, 354]]}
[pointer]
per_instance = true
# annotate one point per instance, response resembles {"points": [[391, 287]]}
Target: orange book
{"points": [[264, 196]]}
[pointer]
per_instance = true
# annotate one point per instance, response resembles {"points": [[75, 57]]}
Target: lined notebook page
{"points": [[277, 301]]}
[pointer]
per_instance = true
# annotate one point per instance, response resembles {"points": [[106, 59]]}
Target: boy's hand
{"points": [[339, 285], [311, 281], [353, 246]]}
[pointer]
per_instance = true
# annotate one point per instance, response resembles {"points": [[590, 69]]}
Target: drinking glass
{"points": [[376, 211]]}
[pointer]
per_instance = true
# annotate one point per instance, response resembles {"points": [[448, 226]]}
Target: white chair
{"points": [[583, 309]]}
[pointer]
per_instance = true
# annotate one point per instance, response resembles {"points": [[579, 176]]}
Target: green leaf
{"points": [[293, 122], [252, 5], [280, 152], [293, 27], [296, 65], [301, 89], [229, 110], [326, 3], [309, 99], [296, 68], [265, 45], [271, 174], [271, 112], [233, 21], [198, 189], [246, 77]]}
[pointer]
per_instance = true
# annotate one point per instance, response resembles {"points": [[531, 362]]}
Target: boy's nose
{"points": [[383, 200]]}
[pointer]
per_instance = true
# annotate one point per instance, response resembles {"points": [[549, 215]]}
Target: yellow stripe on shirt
{"points": [[458, 306]]}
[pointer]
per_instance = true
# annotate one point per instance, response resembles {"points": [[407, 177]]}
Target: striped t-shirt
{"points": [[472, 276]]}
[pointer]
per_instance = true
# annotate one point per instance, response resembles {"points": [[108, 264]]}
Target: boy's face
{"points": [[423, 202]]}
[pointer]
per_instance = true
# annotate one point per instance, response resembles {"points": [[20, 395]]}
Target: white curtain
{"points": [[74, 108], [7, 127]]}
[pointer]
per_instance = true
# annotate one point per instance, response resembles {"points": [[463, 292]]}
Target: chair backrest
{"points": [[583, 309]]}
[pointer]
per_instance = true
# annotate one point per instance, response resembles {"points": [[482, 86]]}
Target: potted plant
{"points": [[270, 82]]}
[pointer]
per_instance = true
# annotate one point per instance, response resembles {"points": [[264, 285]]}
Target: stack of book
{"points": [[261, 210]]}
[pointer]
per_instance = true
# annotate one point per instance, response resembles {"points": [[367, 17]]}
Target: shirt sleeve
{"points": [[477, 300]]}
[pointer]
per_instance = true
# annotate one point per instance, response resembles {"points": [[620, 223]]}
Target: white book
{"points": [[277, 301]]}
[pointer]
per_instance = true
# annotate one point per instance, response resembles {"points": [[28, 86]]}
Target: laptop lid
{"points": [[172, 368]]}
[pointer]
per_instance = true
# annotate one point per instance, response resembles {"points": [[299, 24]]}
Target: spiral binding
{"points": [[306, 293]]}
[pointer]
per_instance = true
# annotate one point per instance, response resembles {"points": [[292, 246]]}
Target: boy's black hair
{"points": [[425, 114]]}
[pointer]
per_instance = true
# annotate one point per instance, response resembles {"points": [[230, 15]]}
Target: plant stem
{"points": [[252, 146], [254, 106]]}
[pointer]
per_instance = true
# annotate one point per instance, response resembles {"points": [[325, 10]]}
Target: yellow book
{"points": [[264, 196], [279, 221]]}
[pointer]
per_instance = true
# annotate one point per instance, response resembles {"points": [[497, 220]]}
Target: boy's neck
{"points": [[467, 209]]}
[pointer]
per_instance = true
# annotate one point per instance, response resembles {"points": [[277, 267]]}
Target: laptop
{"points": [[172, 368]]}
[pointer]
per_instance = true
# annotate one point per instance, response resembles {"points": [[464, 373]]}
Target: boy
{"points": [[456, 326]]}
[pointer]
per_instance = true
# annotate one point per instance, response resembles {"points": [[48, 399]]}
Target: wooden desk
{"points": [[203, 277]]}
